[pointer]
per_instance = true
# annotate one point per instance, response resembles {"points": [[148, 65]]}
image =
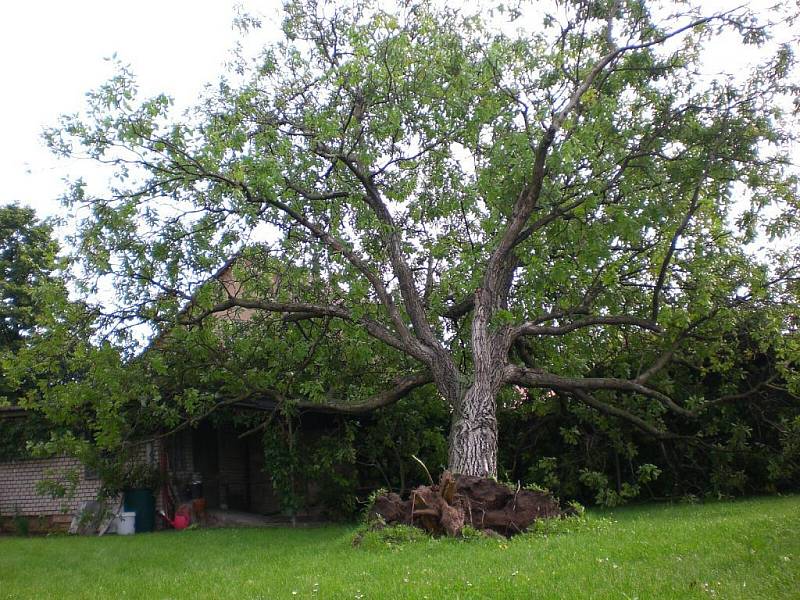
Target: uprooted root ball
{"points": [[461, 500]]}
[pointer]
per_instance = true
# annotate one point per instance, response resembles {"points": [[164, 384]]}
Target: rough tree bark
{"points": [[472, 447]]}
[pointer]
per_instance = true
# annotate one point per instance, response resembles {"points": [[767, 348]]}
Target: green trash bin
{"points": [[143, 503]]}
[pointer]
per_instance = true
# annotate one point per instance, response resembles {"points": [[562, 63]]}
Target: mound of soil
{"points": [[462, 500]]}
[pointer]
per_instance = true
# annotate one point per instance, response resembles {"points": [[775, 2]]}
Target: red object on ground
{"points": [[181, 521]]}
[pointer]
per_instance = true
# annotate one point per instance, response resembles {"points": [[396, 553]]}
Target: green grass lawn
{"points": [[743, 549]]}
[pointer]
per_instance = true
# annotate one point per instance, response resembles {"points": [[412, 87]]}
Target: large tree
{"points": [[438, 202]]}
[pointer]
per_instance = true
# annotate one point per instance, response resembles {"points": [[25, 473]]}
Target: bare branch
{"points": [[334, 244], [309, 195], [376, 282], [459, 309], [233, 302]]}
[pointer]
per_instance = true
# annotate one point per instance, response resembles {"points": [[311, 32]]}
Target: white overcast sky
{"points": [[52, 51]]}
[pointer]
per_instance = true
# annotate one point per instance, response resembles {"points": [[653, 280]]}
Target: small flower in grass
{"points": [[706, 587]]}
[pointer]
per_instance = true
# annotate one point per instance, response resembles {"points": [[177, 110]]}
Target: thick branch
{"points": [[411, 297], [464, 307], [527, 200], [583, 309], [295, 310], [555, 214], [315, 196], [541, 379], [334, 244], [317, 310], [532, 328], [339, 247], [401, 388], [272, 399], [459, 309], [615, 411]]}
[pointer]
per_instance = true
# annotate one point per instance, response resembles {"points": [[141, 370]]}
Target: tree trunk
{"points": [[473, 433], [472, 446]]}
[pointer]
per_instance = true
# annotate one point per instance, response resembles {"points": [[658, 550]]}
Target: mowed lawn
{"points": [[742, 549]]}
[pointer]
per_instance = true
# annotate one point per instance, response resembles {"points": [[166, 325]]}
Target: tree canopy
{"points": [[72, 385], [27, 265], [417, 197], [27, 262]]}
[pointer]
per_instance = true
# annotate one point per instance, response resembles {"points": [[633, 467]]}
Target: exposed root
{"points": [[484, 504]]}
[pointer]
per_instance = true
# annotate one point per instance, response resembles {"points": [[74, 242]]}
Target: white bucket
{"points": [[126, 522]]}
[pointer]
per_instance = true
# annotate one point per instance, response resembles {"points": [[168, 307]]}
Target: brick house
{"points": [[18, 488], [20, 479], [232, 469]]}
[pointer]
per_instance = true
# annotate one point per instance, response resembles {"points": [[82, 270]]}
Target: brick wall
{"points": [[18, 480], [180, 458]]}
